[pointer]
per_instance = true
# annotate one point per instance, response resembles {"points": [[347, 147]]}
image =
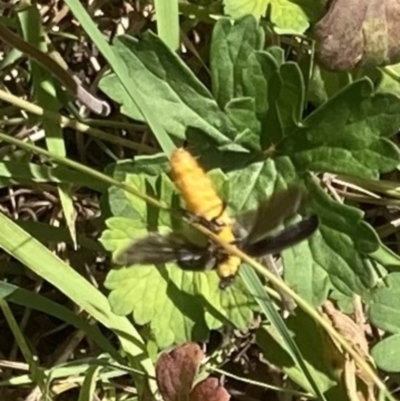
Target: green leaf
{"points": [[151, 165], [240, 69], [241, 111], [177, 97], [386, 354], [304, 275], [325, 84], [344, 302], [387, 258], [384, 310], [178, 305], [339, 248], [88, 389], [263, 101], [293, 15], [257, 182], [347, 134], [232, 54], [162, 297], [291, 97], [288, 16], [312, 343], [237, 9], [342, 244], [388, 79]]}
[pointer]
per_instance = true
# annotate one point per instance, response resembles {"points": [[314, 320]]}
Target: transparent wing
{"points": [[159, 249], [272, 212], [156, 248], [286, 238]]}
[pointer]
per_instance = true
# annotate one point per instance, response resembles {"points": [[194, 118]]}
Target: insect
{"points": [[204, 204]]}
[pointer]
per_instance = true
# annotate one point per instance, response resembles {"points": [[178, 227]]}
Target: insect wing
{"points": [[198, 260], [158, 249], [286, 238], [153, 249], [270, 214]]}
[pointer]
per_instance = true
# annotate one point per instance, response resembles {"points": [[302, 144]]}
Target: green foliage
{"points": [[386, 354], [288, 16], [179, 305], [384, 314], [167, 13], [311, 340], [267, 119], [182, 101], [258, 103]]}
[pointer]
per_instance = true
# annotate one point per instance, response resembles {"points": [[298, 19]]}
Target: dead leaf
{"points": [[176, 371], [350, 380], [358, 33], [209, 390], [350, 330], [354, 334]]}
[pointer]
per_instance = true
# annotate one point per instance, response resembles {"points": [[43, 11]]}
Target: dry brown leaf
{"points": [[176, 370], [350, 380], [350, 330], [209, 390], [356, 390], [354, 334], [175, 374], [358, 33]]}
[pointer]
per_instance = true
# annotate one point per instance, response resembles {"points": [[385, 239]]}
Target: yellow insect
{"points": [[203, 202]]}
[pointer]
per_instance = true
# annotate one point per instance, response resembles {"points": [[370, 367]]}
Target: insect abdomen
{"points": [[195, 186]]}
